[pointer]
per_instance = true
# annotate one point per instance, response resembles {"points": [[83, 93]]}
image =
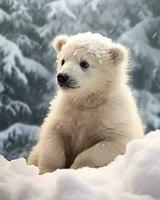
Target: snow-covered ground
{"points": [[134, 176]]}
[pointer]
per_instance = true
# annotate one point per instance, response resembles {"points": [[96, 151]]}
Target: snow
{"points": [[12, 53], [3, 16], [11, 49], [149, 107], [1, 87], [138, 40], [94, 4], [77, 3], [32, 66], [19, 13], [133, 176], [16, 106], [94, 43], [23, 41], [19, 129], [60, 7], [31, 25]]}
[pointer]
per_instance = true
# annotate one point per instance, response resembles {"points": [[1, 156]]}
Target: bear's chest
{"points": [[82, 124], [81, 130]]}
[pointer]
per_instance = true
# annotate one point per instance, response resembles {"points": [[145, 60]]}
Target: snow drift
{"points": [[134, 176]]}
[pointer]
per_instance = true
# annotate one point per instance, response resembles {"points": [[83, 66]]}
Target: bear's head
{"points": [[89, 63]]}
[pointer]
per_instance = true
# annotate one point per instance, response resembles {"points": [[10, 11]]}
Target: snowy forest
{"points": [[27, 59]]}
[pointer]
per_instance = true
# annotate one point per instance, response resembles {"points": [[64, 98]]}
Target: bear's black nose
{"points": [[62, 78]]}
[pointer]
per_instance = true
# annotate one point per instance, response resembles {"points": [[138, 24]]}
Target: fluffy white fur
{"points": [[91, 124]]}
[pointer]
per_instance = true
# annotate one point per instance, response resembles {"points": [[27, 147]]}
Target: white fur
{"points": [[89, 125]]}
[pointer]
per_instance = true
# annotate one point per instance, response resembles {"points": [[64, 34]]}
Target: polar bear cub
{"points": [[94, 114]]}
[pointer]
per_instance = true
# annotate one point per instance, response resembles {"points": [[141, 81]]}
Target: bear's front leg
{"points": [[99, 155], [52, 154], [33, 157]]}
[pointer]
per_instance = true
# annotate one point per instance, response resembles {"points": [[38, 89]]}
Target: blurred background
{"points": [[27, 59]]}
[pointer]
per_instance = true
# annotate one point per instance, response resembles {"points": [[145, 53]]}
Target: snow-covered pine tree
{"points": [[144, 42], [13, 85], [23, 81], [31, 25]]}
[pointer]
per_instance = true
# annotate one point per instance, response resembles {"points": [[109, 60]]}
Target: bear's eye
{"points": [[62, 62], [84, 64]]}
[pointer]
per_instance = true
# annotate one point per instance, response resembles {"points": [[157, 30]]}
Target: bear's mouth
{"points": [[70, 84], [69, 87]]}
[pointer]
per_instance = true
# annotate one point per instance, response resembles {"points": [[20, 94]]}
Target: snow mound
{"points": [[134, 176]]}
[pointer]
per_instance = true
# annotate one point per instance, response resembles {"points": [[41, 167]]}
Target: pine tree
{"points": [[13, 85], [27, 58], [24, 82]]}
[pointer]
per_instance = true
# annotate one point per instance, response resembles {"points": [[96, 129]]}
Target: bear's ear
{"points": [[117, 54], [59, 41]]}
